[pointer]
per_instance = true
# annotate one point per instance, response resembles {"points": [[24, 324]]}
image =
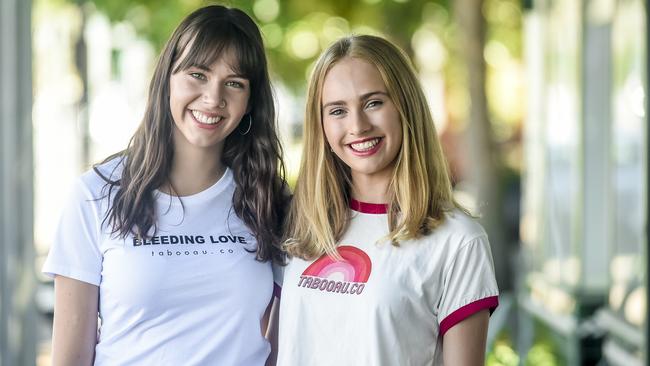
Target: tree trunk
{"points": [[483, 173]]}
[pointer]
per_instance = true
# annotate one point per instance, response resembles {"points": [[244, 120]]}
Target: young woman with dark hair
{"points": [[171, 240]]}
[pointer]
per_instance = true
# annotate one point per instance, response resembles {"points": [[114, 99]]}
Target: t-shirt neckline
{"points": [[202, 196], [368, 208]]}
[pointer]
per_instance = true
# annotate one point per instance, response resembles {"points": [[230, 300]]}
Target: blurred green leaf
{"points": [[288, 24]]}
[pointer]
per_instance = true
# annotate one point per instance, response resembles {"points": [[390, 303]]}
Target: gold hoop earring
{"points": [[250, 124]]}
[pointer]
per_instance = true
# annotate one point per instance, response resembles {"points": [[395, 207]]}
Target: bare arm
{"points": [[75, 322], [272, 330], [464, 343]]}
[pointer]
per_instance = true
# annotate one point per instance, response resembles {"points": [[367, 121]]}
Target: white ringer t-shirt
{"points": [[385, 305], [193, 294]]}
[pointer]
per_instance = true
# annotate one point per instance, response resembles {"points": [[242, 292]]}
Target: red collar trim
{"points": [[368, 208]]}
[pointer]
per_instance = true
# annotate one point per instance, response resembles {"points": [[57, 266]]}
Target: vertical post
{"points": [[17, 277], [81, 62], [595, 129], [646, 351], [533, 174]]}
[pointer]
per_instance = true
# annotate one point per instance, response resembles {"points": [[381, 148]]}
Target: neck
{"points": [[193, 170], [370, 189]]}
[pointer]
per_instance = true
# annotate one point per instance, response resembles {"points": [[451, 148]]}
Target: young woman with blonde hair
{"points": [[386, 268], [171, 240]]}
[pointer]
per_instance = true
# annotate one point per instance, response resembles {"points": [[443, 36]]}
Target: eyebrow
{"points": [[202, 67], [207, 68], [363, 97]]}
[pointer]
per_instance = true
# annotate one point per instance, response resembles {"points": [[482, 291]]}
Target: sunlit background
{"points": [[541, 107]]}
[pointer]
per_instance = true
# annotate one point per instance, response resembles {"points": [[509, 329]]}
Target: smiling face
{"points": [[207, 103], [360, 121]]}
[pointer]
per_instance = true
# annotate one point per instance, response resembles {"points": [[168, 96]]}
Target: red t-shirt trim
{"points": [[368, 208], [467, 310]]}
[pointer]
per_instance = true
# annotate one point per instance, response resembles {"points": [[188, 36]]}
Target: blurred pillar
{"points": [[646, 351], [81, 62], [17, 277], [596, 150]]}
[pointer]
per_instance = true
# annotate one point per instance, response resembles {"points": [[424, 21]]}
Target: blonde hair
{"points": [[420, 187]]}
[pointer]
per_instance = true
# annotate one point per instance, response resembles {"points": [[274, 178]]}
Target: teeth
{"points": [[366, 145], [205, 119]]}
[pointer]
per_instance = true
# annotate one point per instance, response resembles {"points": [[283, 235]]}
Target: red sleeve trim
{"points": [[277, 290], [467, 310]]}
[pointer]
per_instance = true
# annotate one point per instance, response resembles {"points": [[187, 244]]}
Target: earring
{"points": [[250, 124], [222, 104]]}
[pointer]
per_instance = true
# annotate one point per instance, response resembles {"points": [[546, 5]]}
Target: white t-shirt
{"points": [[193, 294], [385, 305]]}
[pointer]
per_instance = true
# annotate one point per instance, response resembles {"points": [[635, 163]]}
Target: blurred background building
{"points": [[540, 104], [583, 270]]}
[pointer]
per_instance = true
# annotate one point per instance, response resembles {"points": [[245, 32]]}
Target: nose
{"points": [[359, 123], [213, 96]]}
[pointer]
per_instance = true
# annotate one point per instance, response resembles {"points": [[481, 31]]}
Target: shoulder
{"points": [[107, 170], [97, 178], [458, 230], [459, 227], [460, 243]]}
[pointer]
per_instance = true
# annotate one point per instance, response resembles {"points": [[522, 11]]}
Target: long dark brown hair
{"points": [[254, 158]]}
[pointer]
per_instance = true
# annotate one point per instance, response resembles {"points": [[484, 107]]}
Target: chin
{"points": [[365, 170], [202, 144]]}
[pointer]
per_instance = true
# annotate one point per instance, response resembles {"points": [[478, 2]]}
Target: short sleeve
{"points": [[75, 249], [278, 278], [469, 284]]}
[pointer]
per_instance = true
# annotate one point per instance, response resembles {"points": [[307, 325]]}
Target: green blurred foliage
{"points": [[545, 350], [542, 354], [502, 352], [282, 21], [296, 31]]}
